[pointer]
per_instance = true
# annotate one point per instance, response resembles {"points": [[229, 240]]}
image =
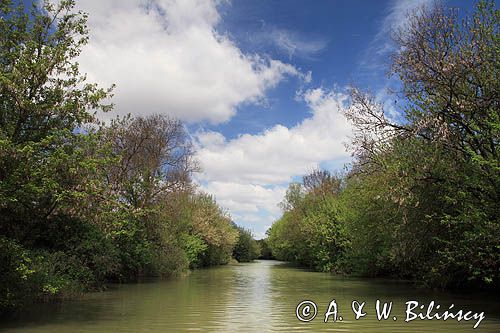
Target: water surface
{"points": [[255, 297]]}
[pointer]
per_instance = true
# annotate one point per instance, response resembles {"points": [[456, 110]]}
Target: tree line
{"points": [[421, 200], [83, 202]]}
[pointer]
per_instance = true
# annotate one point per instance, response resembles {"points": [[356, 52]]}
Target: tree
{"points": [[293, 197], [265, 250], [310, 231], [45, 166], [450, 74], [82, 202], [441, 163], [322, 182], [156, 157], [43, 99], [41, 87], [247, 248], [212, 224], [421, 199]]}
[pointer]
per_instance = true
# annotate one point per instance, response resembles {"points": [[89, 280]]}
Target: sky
{"points": [[259, 84]]}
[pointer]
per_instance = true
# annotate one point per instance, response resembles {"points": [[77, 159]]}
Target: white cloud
{"points": [[246, 197], [396, 19], [399, 11], [295, 44], [166, 56], [252, 206], [377, 56], [249, 174], [277, 154]]}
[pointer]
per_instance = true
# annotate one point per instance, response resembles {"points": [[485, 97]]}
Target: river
{"points": [[254, 297]]}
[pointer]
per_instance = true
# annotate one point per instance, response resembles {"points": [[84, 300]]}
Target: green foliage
{"points": [[43, 274], [17, 274], [310, 232], [421, 200], [265, 250], [247, 248], [215, 228], [194, 247], [38, 74], [83, 203]]}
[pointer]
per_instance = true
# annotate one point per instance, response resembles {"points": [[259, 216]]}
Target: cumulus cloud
{"points": [[166, 56], [249, 174], [246, 197], [275, 155]]}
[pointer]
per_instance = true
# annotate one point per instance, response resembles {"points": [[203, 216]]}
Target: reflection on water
{"points": [[256, 297]]}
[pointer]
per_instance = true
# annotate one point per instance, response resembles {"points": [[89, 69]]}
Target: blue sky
{"points": [[259, 84]]}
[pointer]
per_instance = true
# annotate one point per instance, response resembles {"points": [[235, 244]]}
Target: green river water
{"points": [[255, 297]]}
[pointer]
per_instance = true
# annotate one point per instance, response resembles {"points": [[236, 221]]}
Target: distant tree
{"points": [[322, 182], [247, 248], [213, 225], [293, 197], [265, 249]]}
